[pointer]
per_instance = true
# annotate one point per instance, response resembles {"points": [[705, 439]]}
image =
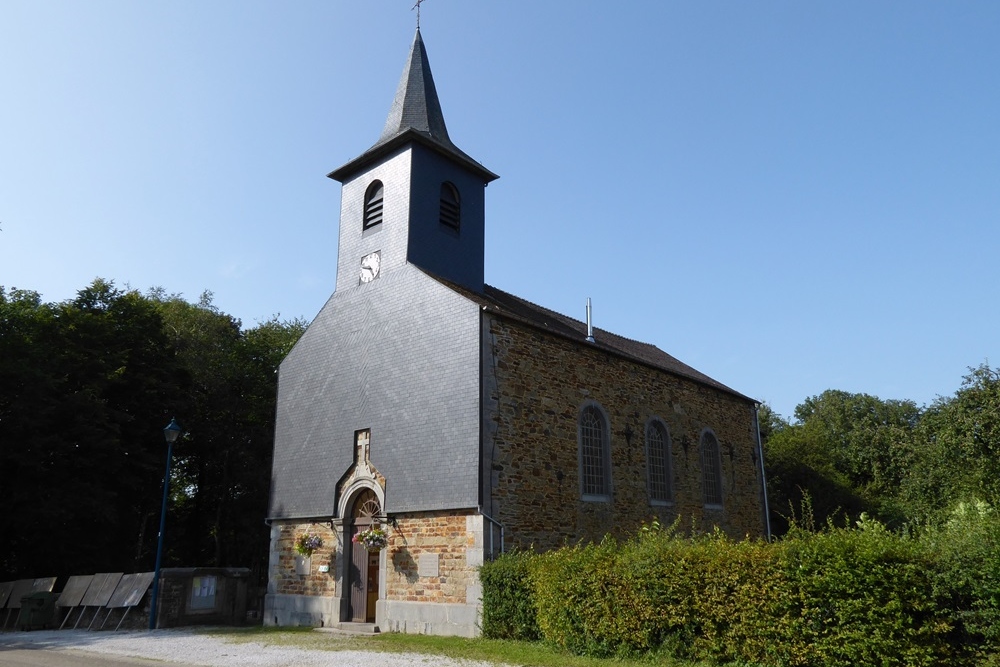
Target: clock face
{"points": [[370, 265]]}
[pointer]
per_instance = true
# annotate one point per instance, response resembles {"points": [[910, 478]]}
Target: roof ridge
{"points": [[570, 317]]}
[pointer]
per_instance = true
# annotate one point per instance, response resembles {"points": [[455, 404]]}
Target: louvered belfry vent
{"points": [[373, 205], [451, 209]]}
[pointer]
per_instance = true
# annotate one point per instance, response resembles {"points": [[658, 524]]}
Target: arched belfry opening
{"points": [[363, 566]]}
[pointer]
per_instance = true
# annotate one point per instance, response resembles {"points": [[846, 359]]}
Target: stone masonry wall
{"points": [[429, 557], [284, 580], [538, 383]]}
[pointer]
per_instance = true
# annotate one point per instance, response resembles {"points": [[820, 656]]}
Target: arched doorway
{"points": [[363, 565]]}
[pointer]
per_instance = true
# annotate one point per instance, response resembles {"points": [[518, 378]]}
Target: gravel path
{"points": [[185, 646]]}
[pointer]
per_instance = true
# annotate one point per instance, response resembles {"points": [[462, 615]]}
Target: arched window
{"points": [[658, 460], [451, 206], [711, 468], [373, 205], [595, 455]]}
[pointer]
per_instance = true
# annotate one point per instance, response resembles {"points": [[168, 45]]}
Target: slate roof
{"points": [[502, 303], [415, 115]]}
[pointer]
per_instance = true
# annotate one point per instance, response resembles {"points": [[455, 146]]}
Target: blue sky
{"points": [[788, 196]]}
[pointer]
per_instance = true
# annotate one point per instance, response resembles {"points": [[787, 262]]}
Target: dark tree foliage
{"points": [[847, 453], [959, 454], [853, 453], [86, 387]]}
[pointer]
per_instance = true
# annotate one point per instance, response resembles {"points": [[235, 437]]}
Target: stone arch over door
{"points": [[363, 567]]}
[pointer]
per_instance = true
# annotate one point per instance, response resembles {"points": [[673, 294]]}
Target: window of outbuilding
{"points": [[374, 196], [203, 591], [658, 462], [451, 206], [711, 467], [595, 454]]}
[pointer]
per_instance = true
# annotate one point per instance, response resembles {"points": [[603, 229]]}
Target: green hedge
{"points": [[508, 598], [839, 597]]}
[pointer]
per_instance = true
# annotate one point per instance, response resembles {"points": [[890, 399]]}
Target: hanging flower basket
{"points": [[373, 539], [306, 544]]}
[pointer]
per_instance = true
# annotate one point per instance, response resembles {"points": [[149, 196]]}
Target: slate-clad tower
{"points": [[464, 420], [418, 167]]}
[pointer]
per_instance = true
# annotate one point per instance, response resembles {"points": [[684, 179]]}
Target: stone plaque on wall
{"points": [[428, 565]]}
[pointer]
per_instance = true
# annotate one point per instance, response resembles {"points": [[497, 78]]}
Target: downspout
{"points": [[763, 474], [493, 522]]}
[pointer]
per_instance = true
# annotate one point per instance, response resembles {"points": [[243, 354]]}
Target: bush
{"points": [[839, 597], [865, 596], [508, 598], [571, 594], [966, 553]]}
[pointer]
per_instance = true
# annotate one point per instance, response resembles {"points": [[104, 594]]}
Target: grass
{"points": [[529, 654]]}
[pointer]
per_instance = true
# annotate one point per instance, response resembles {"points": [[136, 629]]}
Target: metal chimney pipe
{"points": [[590, 325]]}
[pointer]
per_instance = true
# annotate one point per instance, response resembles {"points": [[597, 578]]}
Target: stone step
{"points": [[351, 628]]}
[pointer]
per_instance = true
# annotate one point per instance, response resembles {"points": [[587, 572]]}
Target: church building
{"points": [[427, 421]]}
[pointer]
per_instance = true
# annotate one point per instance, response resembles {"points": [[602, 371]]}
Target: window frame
{"points": [[208, 602], [368, 221], [588, 492], [667, 472], [710, 453], [450, 212]]}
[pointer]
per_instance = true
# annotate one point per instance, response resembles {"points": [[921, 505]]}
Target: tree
{"points": [[848, 452], [959, 454], [871, 441], [801, 472], [769, 422], [86, 387], [82, 383], [223, 468]]}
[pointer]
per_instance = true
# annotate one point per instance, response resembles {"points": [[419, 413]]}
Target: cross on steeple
{"points": [[417, 7]]}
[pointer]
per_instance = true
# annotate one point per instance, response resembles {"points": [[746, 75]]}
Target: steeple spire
{"points": [[415, 115], [416, 104]]}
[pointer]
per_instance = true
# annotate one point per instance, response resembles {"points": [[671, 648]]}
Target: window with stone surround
{"points": [[659, 475], [373, 205], [595, 454], [711, 468]]}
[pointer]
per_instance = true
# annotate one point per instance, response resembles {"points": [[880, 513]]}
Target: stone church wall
{"points": [[536, 384], [429, 582], [432, 578], [300, 593], [284, 577]]}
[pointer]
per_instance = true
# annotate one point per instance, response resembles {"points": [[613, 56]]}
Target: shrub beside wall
{"points": [[508, 598], [840, 597]]}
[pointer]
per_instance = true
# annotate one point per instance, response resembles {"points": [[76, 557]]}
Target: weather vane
{"points": [[417, 7]]}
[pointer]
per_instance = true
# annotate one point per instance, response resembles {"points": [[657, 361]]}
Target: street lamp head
{"points": [[172, 431]]}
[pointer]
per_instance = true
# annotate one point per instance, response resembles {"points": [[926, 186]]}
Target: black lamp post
{"points": [[170, 434]]}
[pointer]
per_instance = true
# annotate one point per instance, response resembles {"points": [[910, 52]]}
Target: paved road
{"points": [[183, 647], [49, 658]]}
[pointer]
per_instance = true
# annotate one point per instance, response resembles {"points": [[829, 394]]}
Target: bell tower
{"points": [[413, 197]]}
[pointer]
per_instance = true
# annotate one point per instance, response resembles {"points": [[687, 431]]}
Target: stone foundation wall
{"points": [[535, 385]]}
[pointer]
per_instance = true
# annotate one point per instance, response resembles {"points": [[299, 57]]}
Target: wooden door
{"points": [[363, 567], [372, 588], [359, 577]]}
